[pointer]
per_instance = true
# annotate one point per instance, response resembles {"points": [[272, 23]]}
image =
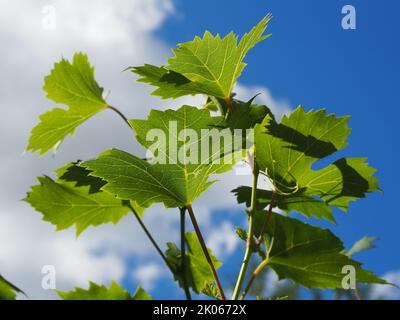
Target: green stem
{"points": [[249, 251], [358, 293], [148, 234], [183, 255], [205, 251], [253, 277], [266, 220], [120, 114]]}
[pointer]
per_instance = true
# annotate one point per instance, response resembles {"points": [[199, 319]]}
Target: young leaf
{"points": [[73, 85], [8, 291], [211, 291], [198, 274], [176, 181], [96, 292], [170, 84], [364, 243], [208, 65], [246, 114], [76, 199], [286, 152], [308, 255], [298, 202]]}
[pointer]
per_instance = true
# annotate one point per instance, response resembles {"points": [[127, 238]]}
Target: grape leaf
{"points": [[73, 85], [246, 114], [170, 84], [177, 182], [75, 198], [286, 152], [208, 65], [214, 63], [96, 292], [306, 205], [197, 272], [212, 291], [308, 255], [8, 291]]}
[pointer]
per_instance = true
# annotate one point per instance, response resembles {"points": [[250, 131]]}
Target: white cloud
{"points": [[148, 274], [115, 35], [385, 291], [223, 240]]}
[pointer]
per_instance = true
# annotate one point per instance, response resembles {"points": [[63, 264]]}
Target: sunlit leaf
{"points": [[73, 85], [197, 272], [101, 292]]}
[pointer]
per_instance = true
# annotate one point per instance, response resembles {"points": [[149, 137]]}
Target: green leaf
{"points": [[242, 234], [212, 291], [214, 63], [96, 292], [364, 243], [75, 198], [170, 84], [308, 255], [8, 291], [197, 272], [208, 65], [306, 205], [176, 180], [73, 85], [246, 114], [287, 151], [141, 294]]}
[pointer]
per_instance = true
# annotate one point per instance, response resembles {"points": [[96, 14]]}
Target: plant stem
{"points": [[120, 114], [358, 293], [259, 241], [248, 252], [183, 255], [266, 221], [148, 234], [229, 104], [205, 251], [253, 276]]}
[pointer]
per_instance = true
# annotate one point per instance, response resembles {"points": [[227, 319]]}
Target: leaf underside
{"points": [[197, 272], [308, 255], [8, 291], [101, 292], [75, 198], [286, 152], [73, 85], [176, 183]]}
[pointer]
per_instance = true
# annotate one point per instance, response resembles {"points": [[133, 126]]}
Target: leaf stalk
{"points": [[249, 250], [183, 255], [205, 251]]}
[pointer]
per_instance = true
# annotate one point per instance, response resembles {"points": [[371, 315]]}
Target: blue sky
{"points": [[311, 60]]}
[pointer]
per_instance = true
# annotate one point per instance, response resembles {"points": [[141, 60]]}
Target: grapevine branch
{"points": [[206, 253], [266, 220], [253, 277], [258, 244], [248, 252], [148, 234], [183, 255]]}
